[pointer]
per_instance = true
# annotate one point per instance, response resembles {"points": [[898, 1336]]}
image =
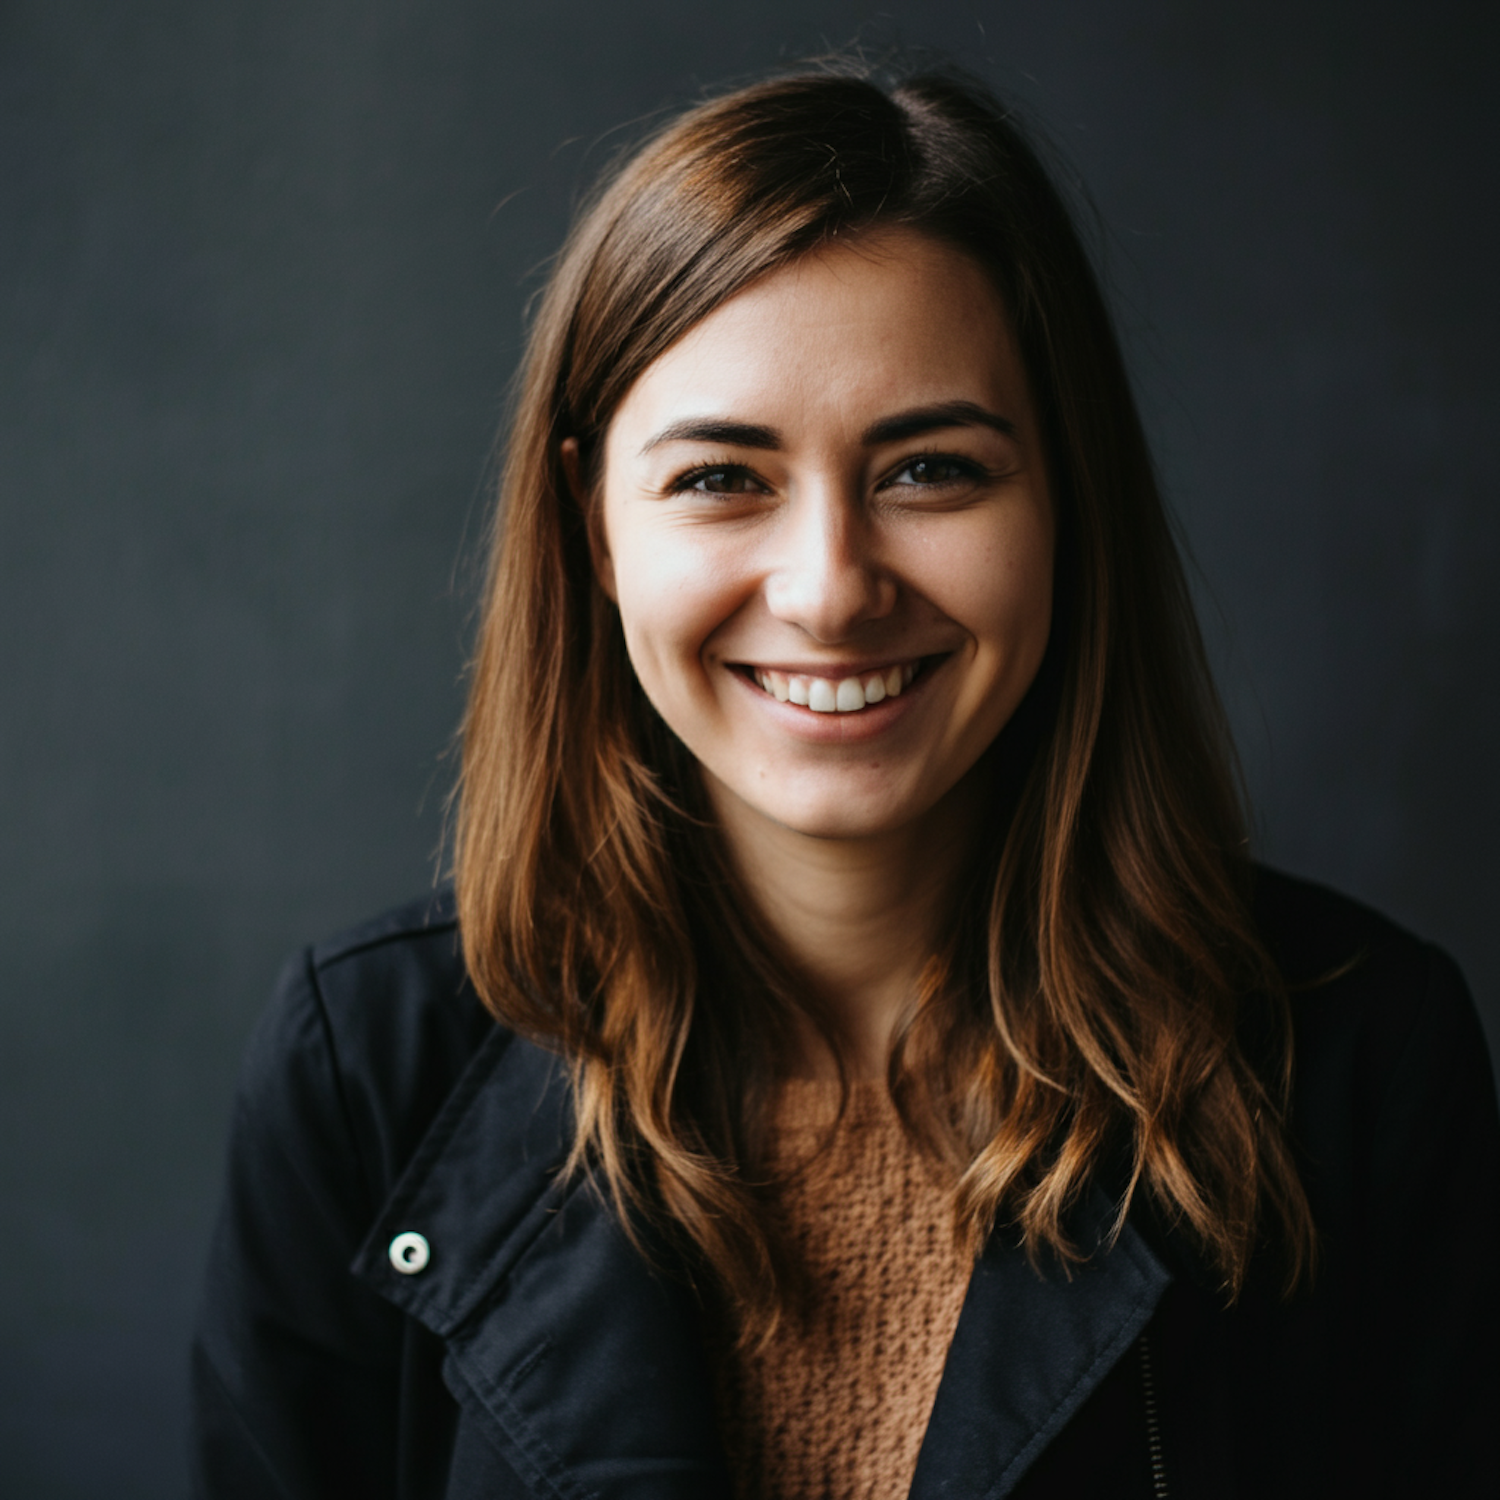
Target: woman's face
{"points": [[826, 523]]}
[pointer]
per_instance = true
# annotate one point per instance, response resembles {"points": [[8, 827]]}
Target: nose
{"points": [[827, 578]]}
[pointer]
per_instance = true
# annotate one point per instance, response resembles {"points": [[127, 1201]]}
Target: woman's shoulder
{"points": [[366, 1035], [1347, 966], [1313, 930], [1389, 1055], [395, 987]]}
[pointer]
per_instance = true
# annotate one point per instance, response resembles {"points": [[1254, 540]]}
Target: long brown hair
{"points": [[1086, 1004]]}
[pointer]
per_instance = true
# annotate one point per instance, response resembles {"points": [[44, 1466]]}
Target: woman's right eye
{"points": [[718, 479]]}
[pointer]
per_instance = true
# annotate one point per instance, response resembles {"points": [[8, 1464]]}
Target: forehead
{"points": [[891, 320]]}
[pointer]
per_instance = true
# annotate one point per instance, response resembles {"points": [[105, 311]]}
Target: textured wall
{"points": [[262, 271]]}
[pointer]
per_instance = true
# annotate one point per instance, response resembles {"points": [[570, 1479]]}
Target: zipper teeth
{"points": [[1153, 1424]]}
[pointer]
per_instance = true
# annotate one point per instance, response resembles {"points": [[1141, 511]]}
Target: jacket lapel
{"points": [[587, 1365], [1028, 1351], [584, 1363]]}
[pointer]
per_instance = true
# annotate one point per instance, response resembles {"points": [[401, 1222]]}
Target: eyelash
{"points": [[967, 467], [685, 481]]}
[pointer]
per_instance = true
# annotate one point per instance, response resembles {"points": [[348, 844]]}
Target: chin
{"points": [[834, 818]]}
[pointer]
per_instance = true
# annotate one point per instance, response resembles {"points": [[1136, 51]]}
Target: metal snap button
{"points": [[410, 1252]]}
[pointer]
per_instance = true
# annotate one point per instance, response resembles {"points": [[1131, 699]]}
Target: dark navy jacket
{"points": [[537, 1354]]}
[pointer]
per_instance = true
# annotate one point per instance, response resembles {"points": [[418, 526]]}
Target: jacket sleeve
{"points": [[295, 1364], [1431, 1281]]}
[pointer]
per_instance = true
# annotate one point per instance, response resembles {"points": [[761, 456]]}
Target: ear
{"points": [[593, 517]]}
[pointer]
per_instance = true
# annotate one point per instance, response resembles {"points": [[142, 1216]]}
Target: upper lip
{"points": [[831, 671]]}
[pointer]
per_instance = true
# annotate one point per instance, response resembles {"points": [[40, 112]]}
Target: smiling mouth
{"points": [[842, 695]]}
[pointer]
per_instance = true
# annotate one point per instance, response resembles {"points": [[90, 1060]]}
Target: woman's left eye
{"points": [[935, 469]]}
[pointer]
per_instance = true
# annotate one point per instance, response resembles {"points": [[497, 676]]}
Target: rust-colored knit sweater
{"points": [[836, 1406]]}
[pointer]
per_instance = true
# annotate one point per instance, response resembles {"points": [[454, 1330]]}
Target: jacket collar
{"points": [[1028, 1351], [586, 1357]]}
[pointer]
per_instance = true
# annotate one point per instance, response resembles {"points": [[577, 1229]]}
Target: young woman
{"points": [[858, 1057]]}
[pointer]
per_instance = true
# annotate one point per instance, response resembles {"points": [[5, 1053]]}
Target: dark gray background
{"points": [[262, 268]]}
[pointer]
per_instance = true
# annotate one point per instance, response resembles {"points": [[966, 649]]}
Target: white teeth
{"points": [[849, 697], [846, 696], [822, 697]]}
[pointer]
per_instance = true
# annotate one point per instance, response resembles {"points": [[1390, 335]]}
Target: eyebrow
{"points": [[932, 419], [715, 430], [893, 429]]}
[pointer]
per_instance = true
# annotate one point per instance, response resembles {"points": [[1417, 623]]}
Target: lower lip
{"points": [[839, 729]]}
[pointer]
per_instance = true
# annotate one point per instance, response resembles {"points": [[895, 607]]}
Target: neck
{"points": [[858, 919]]}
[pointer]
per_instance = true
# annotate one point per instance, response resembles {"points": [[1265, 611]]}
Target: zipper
{"points": [[1153, 1423]]}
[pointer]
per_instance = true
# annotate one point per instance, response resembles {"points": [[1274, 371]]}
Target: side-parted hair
{"points": [[1085, 1008]]}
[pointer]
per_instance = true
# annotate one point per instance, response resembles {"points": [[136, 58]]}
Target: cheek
{"points": [[671, 600], [1000, 588], [1020, 612]]}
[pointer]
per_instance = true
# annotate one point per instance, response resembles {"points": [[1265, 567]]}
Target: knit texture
{"points": [[835, 1407]]}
